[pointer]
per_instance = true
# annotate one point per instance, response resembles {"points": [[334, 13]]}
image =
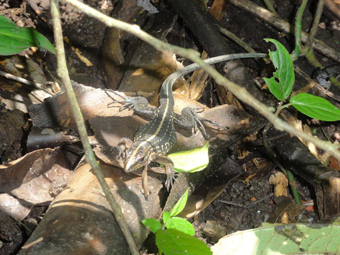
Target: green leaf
{"points": [[174, 242], [282, 239], [181, 225], [191, 161], [166, 217], [275, 88], [179, 206], [284, 74], [315, 107], [14, 39], [153, 224]]}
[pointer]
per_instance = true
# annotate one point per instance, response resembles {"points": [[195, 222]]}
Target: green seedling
{"points": [[175, 235], [281, 85]]}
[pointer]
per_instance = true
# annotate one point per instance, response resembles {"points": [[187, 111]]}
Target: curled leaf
{"points": [[192, 160]]}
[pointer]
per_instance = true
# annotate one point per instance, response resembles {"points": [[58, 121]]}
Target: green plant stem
{"points": [[291, 181], [312, 59], [78, 117], [293, 185], [269, 5], [238, 91], [236, 39], [334, 81], [286, 106], [298, 44], [289, 174]]}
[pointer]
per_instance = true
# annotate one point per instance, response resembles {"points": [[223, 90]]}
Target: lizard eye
{"points": [[141, 160]]}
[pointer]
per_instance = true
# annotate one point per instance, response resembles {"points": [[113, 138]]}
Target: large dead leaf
{"points": [[33, 179], [80, 220]]}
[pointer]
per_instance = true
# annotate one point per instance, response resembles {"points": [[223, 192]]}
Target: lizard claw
{"points": [[123, 145], [170, 179], [126, 103], [121, 153]]}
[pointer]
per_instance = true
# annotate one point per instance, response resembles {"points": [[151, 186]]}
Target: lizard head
{"points": [[138, 155]]}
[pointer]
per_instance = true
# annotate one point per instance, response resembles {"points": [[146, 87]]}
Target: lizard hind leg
{"points": [[190, 119]]}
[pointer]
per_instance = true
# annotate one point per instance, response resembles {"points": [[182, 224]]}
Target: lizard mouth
{"points": [[132, 165]]}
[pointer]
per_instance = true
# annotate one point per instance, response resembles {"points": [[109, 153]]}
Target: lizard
{"points": [[153, 140]]}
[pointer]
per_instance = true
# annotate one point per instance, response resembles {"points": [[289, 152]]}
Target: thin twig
{"points": [[310, 55], [236, 39], [283, 25], [311, 36], [316, 22], [238, 91], [24, 81], [78, 117]]}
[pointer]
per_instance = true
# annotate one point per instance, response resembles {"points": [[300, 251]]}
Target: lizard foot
{"points": [[170, 179], [123, 145], [126, 103]]}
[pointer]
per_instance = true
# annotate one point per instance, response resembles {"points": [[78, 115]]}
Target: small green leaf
{"points": [[315, 107], [181, 225], [153, 224], [284, 74], [174, 242], [179, 206], [166, 217], [275, 88], [14, 39], [192, 160]]}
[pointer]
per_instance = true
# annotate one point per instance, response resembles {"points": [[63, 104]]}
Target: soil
{"points": [[247, 201]]}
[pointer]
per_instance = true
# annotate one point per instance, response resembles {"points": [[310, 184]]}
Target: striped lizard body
{"points": [[154, 139]]}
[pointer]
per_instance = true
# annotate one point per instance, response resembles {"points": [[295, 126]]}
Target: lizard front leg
{"points": [[140, 155], [139, 105], [123, 146], [145, 184], [169, 170]]}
